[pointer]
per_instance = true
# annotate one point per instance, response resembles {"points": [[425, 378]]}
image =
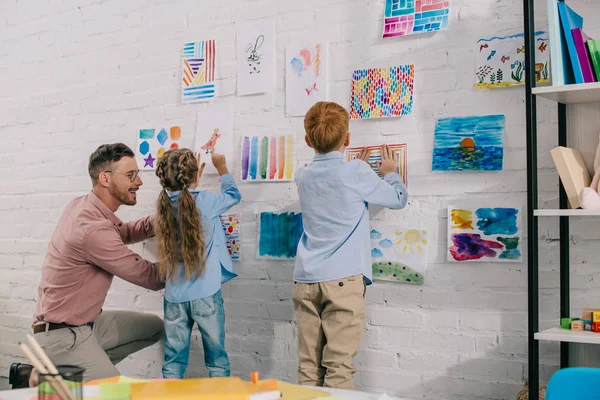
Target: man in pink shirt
{"points": [[88, 248]]}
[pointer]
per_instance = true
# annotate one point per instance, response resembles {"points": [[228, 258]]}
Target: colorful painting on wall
{"points": [[399, 255], [484, 234], [153, 143], [198, 71], [268, 159], [500, 61], [306, 77], [279, 235], [255, 58], [231, 226], [214, 133], [399, 151], [408, 17], [382, 92], [469, 143]]}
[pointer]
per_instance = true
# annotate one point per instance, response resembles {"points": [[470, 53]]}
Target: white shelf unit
{"points": [[570, 94], [567, 335], [565, 213]]}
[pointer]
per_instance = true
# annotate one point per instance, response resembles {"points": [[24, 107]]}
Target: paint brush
{"points": [[59, 386]]}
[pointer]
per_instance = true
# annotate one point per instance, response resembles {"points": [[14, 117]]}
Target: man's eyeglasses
{"points": [[132, 175]]}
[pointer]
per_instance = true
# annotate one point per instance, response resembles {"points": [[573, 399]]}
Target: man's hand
{"points": [[387, 163], [220, 163]]}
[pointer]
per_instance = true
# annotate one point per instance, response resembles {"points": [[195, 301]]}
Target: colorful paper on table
{"points": [[580, 38], [484, 234], [231, 226], [570, 20], [306, 77], [382, 92], [469, 144], [562, 71], [115, 391], [408, 17], [399, 255], [214, 133], [153, 143], [229, 388], [255, 58], [268, 159], [399, 152], [500, 61], [279, 235], [198, 71]]}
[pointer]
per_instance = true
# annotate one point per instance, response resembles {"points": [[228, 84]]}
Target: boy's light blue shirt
{"points": [[219, 267], [334, 197]]}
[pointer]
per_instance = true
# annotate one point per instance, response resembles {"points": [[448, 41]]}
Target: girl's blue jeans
{"points": [[209, 315]]}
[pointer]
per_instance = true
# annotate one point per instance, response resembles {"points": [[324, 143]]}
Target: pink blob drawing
{"points": [[305, 53]]}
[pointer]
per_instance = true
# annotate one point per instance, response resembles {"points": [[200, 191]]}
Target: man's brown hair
{"points": [[326, 126]]}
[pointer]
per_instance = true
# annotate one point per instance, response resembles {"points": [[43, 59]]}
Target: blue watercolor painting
{"points": [[485, 234], [279, 235], [511, 246], [469, 143], [497, 221]]}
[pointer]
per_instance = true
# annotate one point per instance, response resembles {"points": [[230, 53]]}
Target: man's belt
{"points": [[50, 326]]}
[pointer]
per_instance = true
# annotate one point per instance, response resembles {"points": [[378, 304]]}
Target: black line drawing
{"points": [[254, 58]]}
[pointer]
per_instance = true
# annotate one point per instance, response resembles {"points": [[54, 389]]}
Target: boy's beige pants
{"points": [[331, 322]]}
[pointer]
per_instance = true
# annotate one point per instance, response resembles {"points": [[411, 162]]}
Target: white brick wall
{"points": [[78, 73]]}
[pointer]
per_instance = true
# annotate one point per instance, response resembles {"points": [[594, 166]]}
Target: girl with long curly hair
{"points": [[194, 259]]}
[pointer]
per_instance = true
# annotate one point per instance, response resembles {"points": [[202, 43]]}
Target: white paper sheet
{"points": [[255, 58], [306, 77], [214, 132]]}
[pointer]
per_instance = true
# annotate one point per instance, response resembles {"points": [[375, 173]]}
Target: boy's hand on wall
{"points": [[364, 155], [387, 163]]}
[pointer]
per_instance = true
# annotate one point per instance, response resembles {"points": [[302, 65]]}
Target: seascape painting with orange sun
{"points": [[469, 144]]}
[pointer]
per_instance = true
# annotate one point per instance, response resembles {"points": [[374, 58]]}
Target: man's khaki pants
{"points": [[114, 336], [331, 323]]}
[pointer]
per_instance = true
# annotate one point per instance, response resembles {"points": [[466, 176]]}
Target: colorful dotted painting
{"points": [[382, 92], [396, 272], [231, 227], [153, 143]]}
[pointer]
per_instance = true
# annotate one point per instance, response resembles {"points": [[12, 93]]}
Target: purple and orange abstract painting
{"points": [[484, 235], [268, 159]]}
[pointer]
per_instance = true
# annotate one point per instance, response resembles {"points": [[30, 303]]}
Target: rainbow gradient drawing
{"points": [[399, 152], [268, 158]]}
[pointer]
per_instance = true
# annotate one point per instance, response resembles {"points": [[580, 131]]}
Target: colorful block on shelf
{"points": [[577, 326]]}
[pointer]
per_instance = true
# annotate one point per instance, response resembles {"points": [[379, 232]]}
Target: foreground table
{"points": [[93, 391]]}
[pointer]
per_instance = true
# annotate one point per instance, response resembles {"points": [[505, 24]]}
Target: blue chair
{"points": [[574, 384]]}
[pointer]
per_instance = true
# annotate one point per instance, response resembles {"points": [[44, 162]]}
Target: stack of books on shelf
{"points": [[575, 57]]}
